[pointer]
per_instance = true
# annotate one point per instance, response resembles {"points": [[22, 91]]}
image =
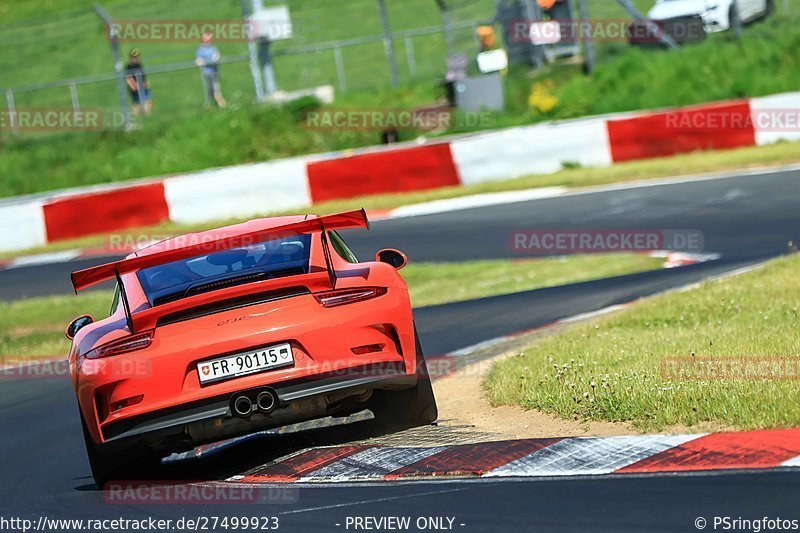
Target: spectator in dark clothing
{"points": [[138, 85]]}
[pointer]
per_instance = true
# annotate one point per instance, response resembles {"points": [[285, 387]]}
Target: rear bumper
{"points": [[165, 375], [183, 428]]}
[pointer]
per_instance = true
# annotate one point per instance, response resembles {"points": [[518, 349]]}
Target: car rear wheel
{"points": [[124, 465], [411, 407]]}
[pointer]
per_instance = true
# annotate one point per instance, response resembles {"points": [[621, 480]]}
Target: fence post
{"points": [[112, 35], [73, 94], [388, 43], [340, 72], [12, 112], [265, 57], [255, 72], [534, 14], [412, 60], [588, 44], [448, 30]]}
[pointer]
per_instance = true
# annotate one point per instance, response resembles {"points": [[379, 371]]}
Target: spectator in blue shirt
{"points": [[207, 58]]}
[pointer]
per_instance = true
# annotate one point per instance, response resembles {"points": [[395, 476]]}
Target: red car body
{"points": [[349, 325]]}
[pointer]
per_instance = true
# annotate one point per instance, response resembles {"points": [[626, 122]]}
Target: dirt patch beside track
{"points": [[463, 405], [462, 402]]}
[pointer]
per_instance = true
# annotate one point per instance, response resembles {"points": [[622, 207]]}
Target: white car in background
{"points": [[717, 15]]}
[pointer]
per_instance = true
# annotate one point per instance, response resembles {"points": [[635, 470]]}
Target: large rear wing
{"points": [[351, 219]]}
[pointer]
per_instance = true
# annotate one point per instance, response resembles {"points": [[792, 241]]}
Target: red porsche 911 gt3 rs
{"points": [[235, 330]]}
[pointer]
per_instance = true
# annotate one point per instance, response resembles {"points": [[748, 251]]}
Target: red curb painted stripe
{"points": [[472, 459], [720, 451], [387, 171], [297, 466], [688, 129], [105, 211]]}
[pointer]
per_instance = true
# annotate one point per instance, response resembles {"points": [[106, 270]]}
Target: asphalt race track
{"points": [[745, 219]]}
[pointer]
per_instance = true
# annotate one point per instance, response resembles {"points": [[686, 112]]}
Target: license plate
{"points": [[245, 363]]}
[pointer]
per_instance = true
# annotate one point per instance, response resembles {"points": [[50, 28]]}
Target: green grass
{"points": [[609, 369], [181, 136], [436, 283], [34, 328], [742, 158]]}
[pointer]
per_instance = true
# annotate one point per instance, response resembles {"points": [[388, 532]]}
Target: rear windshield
{"points": [[187, 277]]}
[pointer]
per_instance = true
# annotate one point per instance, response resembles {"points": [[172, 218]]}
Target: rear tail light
{"points": [[123, 345], [348, 296]]}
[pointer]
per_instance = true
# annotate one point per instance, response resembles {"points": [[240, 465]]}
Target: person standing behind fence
{"points": [[138, 85], [207, 58]]}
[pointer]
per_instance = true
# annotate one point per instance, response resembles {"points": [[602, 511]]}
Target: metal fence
{"points": [[358, 61], [343, 44]]}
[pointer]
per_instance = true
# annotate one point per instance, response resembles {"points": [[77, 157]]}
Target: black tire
{"points": [[411, 407], [770, 10], [123, 465]]}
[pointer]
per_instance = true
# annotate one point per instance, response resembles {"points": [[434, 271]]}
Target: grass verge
{"points": [[726, 353], [681, 165], [34, 328]]}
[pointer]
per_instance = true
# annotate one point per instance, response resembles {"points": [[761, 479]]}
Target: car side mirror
{"points": [[393, 257], [78, 324]]}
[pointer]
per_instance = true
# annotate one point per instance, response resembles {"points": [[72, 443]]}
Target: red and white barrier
{"points": [[296, 183], [689, 129], [240, 191], [22, 225], [539, 149], [772, 118]]}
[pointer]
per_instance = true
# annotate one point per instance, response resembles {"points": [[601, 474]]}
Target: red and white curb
{"points": [[469, 202], [246, 190], [679, 259], [575, 456], [41, 259]]}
